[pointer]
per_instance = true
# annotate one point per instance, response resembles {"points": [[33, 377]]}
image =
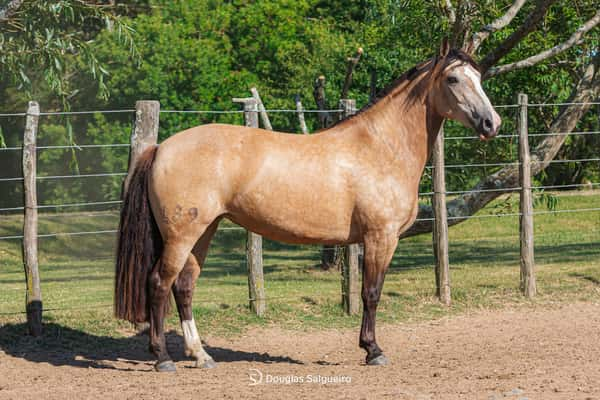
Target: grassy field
{"points": [[77, 273]]}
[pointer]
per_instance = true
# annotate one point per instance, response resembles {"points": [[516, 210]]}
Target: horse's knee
{"points": [[370, 296]]}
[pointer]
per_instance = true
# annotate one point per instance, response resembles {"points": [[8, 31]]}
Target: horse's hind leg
{"points": [[183, 291], [164, 273]]}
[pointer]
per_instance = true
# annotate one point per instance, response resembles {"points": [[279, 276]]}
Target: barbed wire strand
{"points": [[83, 146], [563, 104], [72, 146], [451, 166], [13, 114], [240, 228], [92, 203], [131, 110], [118, 145], [422, 194], [50, 113]]}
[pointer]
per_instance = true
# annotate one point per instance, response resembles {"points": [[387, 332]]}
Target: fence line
{"points": [[82, 175], [575, 185], [44, 206], [480, 165], [475, 216], [538, 134], [93, 203], [564, 133], [128, 110], [510, 136], [466, 217], [87, 112], [71, 146], [563, 104], [422, 194], [84, 146], [143, 117], [477, 137], [42, 177], [515, 163]]}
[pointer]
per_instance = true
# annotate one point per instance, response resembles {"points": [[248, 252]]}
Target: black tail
{"points": [[139, 245]]}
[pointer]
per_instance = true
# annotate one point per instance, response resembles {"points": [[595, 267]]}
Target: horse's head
{"points": [[456, 92]]}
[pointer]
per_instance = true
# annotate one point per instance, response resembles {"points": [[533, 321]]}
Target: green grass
{"points": [[77, 274]]}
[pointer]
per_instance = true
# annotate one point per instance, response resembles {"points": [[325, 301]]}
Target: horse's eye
{"points": [[452, 80]]}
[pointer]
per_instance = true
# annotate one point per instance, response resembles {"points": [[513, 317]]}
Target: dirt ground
{"points": [[549, 353]]}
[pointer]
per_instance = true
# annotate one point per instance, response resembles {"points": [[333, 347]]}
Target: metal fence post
{"points": [[350, 267], [440, 224], [527, 281], [254, 257], [33, 295]]}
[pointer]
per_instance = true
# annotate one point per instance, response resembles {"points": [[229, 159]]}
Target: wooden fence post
{"points": [[350, 267], [321, 102], [261, 108], [33, 297], [527, 283], [440, 224], [254, 257], [143, 134], [330, 255], [301, 119]]}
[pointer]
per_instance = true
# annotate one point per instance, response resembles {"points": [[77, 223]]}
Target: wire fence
{"points": [[89, 206]]}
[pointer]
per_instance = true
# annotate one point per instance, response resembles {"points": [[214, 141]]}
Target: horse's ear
{"points": [[444, 48], [469, 47]]}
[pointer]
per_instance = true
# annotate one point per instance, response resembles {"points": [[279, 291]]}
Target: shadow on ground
{"points": [[60, 345]]}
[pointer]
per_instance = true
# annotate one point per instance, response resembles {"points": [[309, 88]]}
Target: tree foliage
{"points": [[40, 40], [199, 54]]}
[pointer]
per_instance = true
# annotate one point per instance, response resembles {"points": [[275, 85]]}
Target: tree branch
{"points": [[528, 62], [352, 62], [496, 25], [459, 209], [450, 11], [10, 9], [528, 25], [462, 24]]}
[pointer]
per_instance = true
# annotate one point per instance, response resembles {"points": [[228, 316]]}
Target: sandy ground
{"points": [[551, 353]]}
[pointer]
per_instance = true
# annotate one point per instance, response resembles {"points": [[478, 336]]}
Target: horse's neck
{"points": [[407, 128]]}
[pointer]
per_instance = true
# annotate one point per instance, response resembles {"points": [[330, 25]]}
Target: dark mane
{"points": [[437, 63]]}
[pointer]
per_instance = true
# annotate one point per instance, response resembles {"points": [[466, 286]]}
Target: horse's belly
{"points": [[295, 217]]}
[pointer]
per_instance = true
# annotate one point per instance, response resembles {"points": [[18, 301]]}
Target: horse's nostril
{"points": [[487, 124]]}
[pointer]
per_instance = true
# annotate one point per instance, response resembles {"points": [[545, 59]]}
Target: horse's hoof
{"points": [[165, 366], [207, 364], [379, 360]]}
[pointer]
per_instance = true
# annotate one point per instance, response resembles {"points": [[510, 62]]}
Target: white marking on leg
{"points": [[193, 344]]}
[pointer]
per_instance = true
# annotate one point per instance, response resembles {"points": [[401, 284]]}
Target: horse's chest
{"points": [[391, 203]]}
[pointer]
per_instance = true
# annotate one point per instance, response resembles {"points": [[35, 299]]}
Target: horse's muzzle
{"points": [[489, 125]]}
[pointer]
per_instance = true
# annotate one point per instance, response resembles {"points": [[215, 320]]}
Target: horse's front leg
{"points": [[379, 250]]}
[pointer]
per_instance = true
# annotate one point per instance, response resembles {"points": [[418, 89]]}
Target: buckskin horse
{"points": [[356, 182]]}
